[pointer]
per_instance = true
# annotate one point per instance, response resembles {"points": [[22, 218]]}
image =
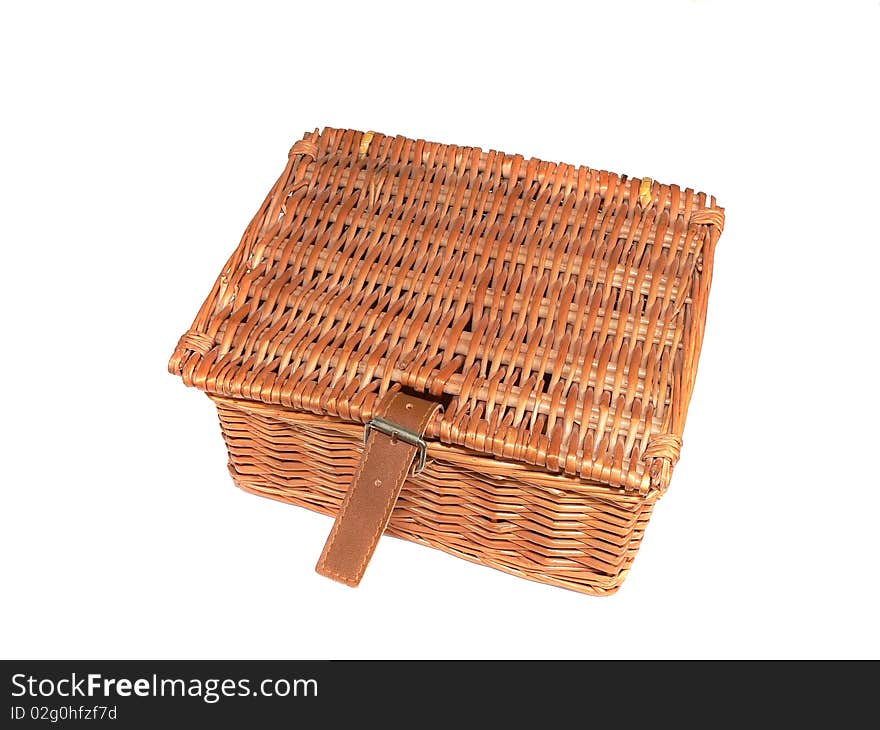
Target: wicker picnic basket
{"points": [[483, 353]]}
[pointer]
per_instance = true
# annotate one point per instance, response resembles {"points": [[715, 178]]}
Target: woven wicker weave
{"points": [[557, 312]]}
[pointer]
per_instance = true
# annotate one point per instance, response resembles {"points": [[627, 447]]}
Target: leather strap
{"points": [[366, 509]]}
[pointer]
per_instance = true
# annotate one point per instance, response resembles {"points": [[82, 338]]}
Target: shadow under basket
{"points": [[475, 351]]}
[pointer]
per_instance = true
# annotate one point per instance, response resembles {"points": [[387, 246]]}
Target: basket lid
{"points": [[557, 310]]}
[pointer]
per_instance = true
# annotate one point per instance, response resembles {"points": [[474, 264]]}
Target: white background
{"points": [[137, 143]]}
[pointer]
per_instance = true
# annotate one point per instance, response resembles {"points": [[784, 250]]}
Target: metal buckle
{"points": [[396, 431]]}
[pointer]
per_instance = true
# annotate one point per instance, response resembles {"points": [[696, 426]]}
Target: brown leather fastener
{"points": [[367, 506]]}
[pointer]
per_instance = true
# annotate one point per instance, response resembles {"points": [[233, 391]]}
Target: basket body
{"points": [[555, 312], [535, 525]]}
